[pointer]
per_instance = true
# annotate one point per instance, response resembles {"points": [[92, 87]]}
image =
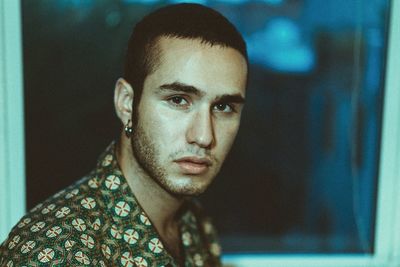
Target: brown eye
{"points": [[222, 107], [177, 100]]}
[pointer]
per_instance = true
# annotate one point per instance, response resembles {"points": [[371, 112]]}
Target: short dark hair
{"points": [[191, 21]]}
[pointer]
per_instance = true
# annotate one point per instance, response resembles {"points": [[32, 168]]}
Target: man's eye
{"points": [[178, 101], [222, 107]]}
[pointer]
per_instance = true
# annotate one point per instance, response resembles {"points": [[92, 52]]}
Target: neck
{"points": [[159, 205]]}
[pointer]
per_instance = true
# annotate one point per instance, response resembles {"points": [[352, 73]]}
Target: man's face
{"points": [[189, 114]]}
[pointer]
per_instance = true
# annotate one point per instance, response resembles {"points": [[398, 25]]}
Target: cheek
{"points": [[165, 127], [225, 135]]}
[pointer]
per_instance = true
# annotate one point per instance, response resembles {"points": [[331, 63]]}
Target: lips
{"points": [[193, 165]]}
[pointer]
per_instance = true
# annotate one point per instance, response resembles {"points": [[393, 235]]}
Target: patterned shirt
{"points": [[99, 222]]}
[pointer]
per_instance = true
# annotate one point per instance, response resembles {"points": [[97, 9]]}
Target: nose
{"points": [[201, 130]]}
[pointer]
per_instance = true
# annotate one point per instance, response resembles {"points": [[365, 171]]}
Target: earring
{"points": [[128, 129]]}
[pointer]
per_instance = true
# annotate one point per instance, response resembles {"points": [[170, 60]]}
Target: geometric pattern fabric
{"points": [[98, 222]]}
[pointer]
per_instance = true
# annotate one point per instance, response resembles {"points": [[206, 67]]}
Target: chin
{"points": [[188, 187]]}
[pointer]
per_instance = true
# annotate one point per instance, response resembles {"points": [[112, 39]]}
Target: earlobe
{"points": [[123, 100]]}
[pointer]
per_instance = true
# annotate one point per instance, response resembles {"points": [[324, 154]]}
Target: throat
{"points": [[173, 244], [162, 208]]}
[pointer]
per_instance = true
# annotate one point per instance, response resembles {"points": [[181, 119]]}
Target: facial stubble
{"points": [[147, 156]]}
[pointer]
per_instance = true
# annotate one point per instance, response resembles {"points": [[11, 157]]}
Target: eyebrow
{"points": [[181, 87], [189, 89], [236, 98]]}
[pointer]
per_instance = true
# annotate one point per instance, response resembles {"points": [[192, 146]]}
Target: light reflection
{"points": [[280, 47]]}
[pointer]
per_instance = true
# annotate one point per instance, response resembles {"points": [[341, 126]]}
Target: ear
{"points": [[123, 100]]}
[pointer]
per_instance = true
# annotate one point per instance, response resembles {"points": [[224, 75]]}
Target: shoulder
{"points": [[60, 230]]}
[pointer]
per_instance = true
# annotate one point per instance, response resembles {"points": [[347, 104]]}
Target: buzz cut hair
{"points": [[183, 21]]}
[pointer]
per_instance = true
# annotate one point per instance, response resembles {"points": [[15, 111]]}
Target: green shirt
{"points": [[99, 222]]}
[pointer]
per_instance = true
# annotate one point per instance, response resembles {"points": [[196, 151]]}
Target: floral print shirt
{"points": [[99, 222]]}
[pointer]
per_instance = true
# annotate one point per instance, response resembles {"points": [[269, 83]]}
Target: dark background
{"points": [[301, 176]]}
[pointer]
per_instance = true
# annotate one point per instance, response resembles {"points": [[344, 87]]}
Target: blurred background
{"points": [[302, 176]]}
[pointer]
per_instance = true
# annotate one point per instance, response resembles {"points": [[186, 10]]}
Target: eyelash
{"points": [[232, 109], [177, 97], [172, 99]]}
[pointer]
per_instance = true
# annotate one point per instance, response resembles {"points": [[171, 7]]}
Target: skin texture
{"points": [[190, 106], [173, 124]]}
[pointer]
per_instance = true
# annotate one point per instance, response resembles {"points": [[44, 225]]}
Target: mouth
{"points": [[193, 165]]}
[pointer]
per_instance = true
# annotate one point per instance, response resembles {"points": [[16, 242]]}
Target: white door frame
{"points": [[12, 153]]}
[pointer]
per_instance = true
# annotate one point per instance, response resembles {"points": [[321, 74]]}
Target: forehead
{"points": [[215, 69]]}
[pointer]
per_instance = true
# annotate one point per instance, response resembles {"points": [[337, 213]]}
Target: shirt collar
{"points": [[131, 225]]}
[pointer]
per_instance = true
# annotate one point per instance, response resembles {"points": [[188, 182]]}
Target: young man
{"points": [[180, 103]]}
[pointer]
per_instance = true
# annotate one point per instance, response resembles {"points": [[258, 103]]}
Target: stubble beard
{"points": [[145, 153]]}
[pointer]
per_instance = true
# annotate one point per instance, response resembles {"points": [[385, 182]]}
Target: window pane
{"points": [[302, 175]]}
